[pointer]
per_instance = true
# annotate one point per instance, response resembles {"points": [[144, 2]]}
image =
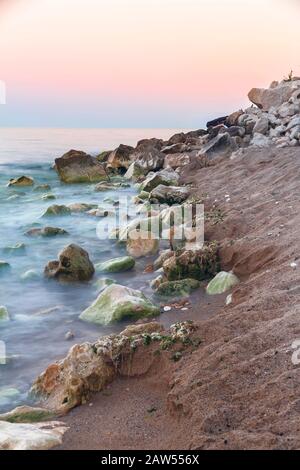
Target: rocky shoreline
{"points": [[225, 364]]}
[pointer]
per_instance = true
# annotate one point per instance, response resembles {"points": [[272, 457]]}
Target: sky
{"points": [[140, 63]]}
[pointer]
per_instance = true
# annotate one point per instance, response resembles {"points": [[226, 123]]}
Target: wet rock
{"points": [[30, 275], [81, 207], [4, 315], [180, 288], [39, 436], [156, 282], [109, 186], [169, 194], [57, 210], [142, 244], [22, 181], [164, 255], [4, 267], [167, 177], [46, 232], [27, 414], [47, 197], [78, 167], [19, 248], [198, 264], [117, 302], [120, 158], [116, 265], [73, 265], [221, 283], [42, 187], [69, 336]]}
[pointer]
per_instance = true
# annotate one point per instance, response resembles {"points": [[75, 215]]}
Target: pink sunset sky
{"points": [[140, 63]]}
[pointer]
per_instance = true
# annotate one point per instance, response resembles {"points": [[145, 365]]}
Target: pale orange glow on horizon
{"points": [[196, 53]]}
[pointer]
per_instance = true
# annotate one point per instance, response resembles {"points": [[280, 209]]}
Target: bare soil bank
{"points": [[239, 389]]}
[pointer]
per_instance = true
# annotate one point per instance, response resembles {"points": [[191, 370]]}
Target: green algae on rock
{"points": [[4, 315], [27, 414], [57, 210], [222, 282], [180, 288], [118, 302], [116, 265]]}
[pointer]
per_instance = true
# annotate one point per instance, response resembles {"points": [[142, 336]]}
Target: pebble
{"points": [[294, 265], [167, 308]]}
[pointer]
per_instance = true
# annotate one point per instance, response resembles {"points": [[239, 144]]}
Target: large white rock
{"points": [[40, 436]]}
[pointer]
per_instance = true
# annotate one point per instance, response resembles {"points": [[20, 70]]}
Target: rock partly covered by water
{"points": [[73, 265], [4, 315], [78, 167], [22, 181], [117, 302], [90, 367], [116, 265], [56, 210], [46, 232]]}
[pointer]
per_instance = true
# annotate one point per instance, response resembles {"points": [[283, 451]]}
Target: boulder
{"points": [[78, 167], [193, 264], [169, 194], [116, 303], [217, 121], [219, 146], [39, 436], [120, 158], [73, 265], [262, 125], [135, 172], [221, 283], [180, 288], [149, 158], [177, 160], [271, 97], [57, 210], [143, 244], [22, 181], [116, 265], [232, 119], [168, 177], [46, 232]]}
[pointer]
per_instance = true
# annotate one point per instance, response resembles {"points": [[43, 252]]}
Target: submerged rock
{"points": [[180, 288], [118, 302], [101, 284], [4, 315], [40, 436], [21, 181], [116, 265], [196, 264], [46, 232], [169, 194], [57, 210], [73, 265], [43, 187], [143, 244], [30, 275], [47, 197], [78, 167], [19, 248], [222, 282], [8, 394], [4, 266], [27, 414], [79, 207]]}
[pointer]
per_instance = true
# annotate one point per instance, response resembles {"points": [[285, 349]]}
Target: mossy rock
{"points": [[221, 283], [118, 302], [101, 284], [116, 265], [27, 414], [21, 182], [177, 288], [188, 264], [57, 210], [4, 315]]}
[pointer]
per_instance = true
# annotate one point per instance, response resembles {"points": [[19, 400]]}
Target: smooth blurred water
{"points": [[34, 339]]}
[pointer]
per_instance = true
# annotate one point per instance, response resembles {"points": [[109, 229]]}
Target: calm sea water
{"points": [[35, 336]]}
